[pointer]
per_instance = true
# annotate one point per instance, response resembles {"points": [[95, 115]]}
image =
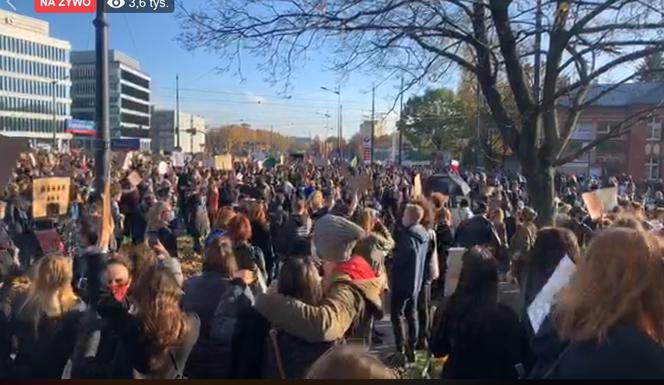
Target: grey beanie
{"points": [[335, 238]]}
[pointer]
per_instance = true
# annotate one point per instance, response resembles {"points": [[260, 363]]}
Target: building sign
{"points": [[81, 127], [126, 144], [366, 148]]}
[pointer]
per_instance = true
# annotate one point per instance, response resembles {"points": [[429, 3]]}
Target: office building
{"points": [[129, 95], [164, 131], [380, 128], [34, 71]]}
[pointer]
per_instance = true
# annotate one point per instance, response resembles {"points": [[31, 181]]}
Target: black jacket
{"points": [[412, 244], [43, 351], [488, 349], [201, 296], [626, 353]]}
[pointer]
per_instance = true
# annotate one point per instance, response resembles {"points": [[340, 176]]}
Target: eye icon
{"points": [[115, 3]]}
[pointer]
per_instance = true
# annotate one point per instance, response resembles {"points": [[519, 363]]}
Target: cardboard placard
{"points": [[417, 186], [360, 183], [600, 202], [107, 226], [223, 162], [48, 193]]}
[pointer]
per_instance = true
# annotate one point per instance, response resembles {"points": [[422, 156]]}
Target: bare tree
{"points": [[424, 39]]}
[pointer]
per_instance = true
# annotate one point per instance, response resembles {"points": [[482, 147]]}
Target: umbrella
{"points": [[448, 184]]}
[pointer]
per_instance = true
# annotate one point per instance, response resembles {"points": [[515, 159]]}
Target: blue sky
{"points": [[223, 97]]}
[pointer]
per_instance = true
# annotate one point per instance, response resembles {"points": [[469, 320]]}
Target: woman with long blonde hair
{"points": [[45, 324], [611, 312]]}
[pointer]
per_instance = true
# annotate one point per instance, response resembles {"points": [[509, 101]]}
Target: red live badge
{"points": [[65, 6]]}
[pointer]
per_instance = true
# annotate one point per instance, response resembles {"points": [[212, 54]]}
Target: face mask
{"points": [[119, 291]]}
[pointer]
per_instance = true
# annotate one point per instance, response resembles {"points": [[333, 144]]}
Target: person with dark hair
{"points": [[297, 226], [287, 356], [210, 356], [482, 338], [89, 266]]}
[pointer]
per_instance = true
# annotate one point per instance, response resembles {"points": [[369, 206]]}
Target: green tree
{"points": [[652, 68], [435, 121]]}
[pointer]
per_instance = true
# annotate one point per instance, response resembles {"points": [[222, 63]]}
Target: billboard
{"points": [[81, 127]]}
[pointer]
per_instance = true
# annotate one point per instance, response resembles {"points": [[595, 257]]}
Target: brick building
{"points": [[638, 153]]}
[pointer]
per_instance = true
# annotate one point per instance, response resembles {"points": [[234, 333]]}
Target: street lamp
{"points": [[340, 116], [55, 83]]}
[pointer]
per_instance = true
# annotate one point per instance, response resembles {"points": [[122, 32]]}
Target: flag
{"points": [[353, 163]]}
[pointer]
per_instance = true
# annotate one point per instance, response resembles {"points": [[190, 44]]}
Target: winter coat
{"points": [[202, 295], [296, 227], [409, 260], [136, 344], [352, 299], [477, 230], [374, 248], [43, 352], [625, 353], [226, 329], [488, 349], [524, 239], [262, 239]]}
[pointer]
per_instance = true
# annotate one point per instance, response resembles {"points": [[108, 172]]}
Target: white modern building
{"points": [[164, 131], [129, 93], [34, 71]]}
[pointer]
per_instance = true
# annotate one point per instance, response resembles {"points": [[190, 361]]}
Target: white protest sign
{"points": [[541, 305], [178, 159], [162, 168], [453, 273]]}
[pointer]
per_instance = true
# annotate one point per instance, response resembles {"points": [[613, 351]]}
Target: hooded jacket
{"points": [[409, 259], [351, 300]]}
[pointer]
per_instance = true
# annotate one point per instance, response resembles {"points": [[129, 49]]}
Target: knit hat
{"points": [[335, 237]]}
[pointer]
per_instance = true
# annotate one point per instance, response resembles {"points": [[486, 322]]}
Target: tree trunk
{"points": [[541, 193]]}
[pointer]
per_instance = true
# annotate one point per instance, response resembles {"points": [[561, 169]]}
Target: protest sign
{"points": [[162, 168], [417, 186], [223, 162], [600, 202], [126, 164], [360, 183], [106, 231], [178, 159], [50, 195], [541, 306], [11, 149], [453, 273]]}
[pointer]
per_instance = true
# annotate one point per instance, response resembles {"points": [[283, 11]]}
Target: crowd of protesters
{"points": [[301, 261]]}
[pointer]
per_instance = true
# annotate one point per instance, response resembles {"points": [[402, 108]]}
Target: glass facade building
{"points": [[129, 93], [33, 67]]}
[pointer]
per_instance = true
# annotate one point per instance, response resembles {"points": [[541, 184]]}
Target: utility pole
{"points": [[271, 138], [400, 159], [55, 118], [102, 153], [177, 110], [192, 132], [373, 121]]}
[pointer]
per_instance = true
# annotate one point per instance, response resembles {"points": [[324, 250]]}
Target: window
{"points": [[652, 168], [604, 127], [654, 132]]}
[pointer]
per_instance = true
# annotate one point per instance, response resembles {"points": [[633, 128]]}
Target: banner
{"points": [[50, 195], [223, 162]]}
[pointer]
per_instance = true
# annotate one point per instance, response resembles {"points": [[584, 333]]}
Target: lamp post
{"points": [[54, 84], [337, 91]]}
